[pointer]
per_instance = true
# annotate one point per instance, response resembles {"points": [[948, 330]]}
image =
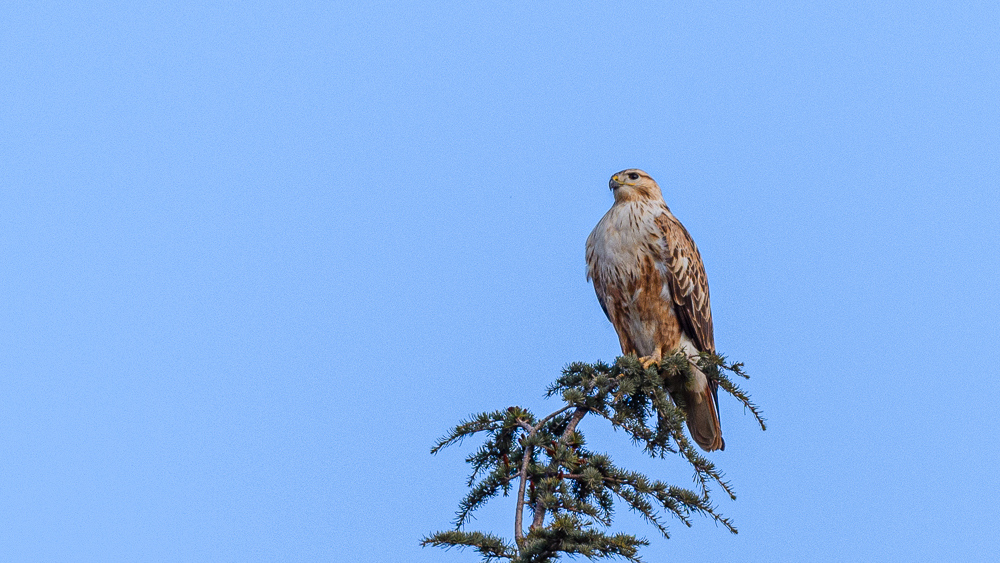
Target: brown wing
{"points": [[688, 283]]}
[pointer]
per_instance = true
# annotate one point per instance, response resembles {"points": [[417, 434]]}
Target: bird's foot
{"points": [[647, 361]]}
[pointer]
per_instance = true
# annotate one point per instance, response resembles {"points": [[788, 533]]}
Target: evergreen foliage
{"points": [[567, 491]]}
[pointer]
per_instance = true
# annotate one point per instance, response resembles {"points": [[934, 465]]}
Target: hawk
{"points": [[651, 283]]}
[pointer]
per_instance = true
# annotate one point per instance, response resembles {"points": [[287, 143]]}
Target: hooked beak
{"points": [[613, 184]]}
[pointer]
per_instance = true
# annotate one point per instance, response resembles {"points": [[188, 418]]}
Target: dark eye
{"points": [[633, 176]]}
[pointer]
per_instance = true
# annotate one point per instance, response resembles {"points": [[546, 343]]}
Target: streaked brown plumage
{"points": [[651, 283]]}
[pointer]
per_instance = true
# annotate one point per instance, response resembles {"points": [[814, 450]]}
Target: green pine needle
{"points": [[567, 493]]}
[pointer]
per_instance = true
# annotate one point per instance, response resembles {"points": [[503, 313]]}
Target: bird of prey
{"points": [[651, 283]]}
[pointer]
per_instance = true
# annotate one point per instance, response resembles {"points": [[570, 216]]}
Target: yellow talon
{"points": [[647, 361]]}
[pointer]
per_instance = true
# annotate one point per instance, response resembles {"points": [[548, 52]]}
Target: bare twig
{"points": [[523, 475], [553, 415]]}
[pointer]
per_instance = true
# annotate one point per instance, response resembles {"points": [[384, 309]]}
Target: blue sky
{"points": [[258, 256]]}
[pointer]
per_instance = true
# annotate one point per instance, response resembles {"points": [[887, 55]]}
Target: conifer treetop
{"points": [[567, 492]]}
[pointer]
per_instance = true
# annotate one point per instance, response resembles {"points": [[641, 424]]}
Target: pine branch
{"points": [[575, 419], [479, 423], [491, 547], [488, 488], [713, 366], [568, 534], [569, 489], [522, 474]]}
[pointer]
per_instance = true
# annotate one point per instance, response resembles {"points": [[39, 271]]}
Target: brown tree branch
{"points": [[578, 415], [518, 516]]}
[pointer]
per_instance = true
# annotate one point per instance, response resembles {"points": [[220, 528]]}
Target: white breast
{"points": [[625, 233], [618, 247]]}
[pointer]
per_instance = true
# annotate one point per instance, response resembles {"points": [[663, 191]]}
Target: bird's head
{"points": [[633, 185]]}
